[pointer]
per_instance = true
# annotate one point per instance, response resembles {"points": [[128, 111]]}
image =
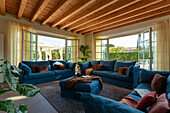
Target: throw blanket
{"points": [[70, 83], [88, 71]]}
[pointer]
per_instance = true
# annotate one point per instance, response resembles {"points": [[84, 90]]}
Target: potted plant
{"points": [[85, 52], [11, 75]]}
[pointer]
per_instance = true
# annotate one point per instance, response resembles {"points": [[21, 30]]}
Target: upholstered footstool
{"points": [[94, 87]]}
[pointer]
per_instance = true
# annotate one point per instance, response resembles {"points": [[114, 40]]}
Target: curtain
{"points": [[162, 30], [14, 42]]}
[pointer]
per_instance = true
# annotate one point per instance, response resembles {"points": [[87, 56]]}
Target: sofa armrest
{"points": [[71, 65], [98, 104], [25, 68], [83, 67], [135, 71]]}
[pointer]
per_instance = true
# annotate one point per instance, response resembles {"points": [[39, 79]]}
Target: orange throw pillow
{"points": [[98, 67], [146, 101], [34, 68], [59, 67], [42, 68], [127, 100], [121, 70]]}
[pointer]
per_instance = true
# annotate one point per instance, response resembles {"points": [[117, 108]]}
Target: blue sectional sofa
{"points": [[51, 75], [110, 75], [97, 104]]}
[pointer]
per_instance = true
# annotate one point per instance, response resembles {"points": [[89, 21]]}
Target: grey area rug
{"points": [[51, 92]]}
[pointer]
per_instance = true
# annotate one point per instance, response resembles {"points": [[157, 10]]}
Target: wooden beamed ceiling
{"points": [[86, 16]]}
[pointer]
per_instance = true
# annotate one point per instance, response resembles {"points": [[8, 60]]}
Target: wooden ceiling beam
{"points": [[139, 21], [40, 7], [21, 8], [129, 15], [133, 19], [73, 11], [120, 4], [54, 11], [98, 6], [2, 6], [139, 5]]}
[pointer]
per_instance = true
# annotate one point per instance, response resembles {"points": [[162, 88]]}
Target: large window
{"points": [[29, 52], [101, 49], [72, 50]]}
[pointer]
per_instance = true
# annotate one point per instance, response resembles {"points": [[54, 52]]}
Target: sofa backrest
{"points": [[119, 64], [146, 76], [108, 65], [93, 63], [40, 63]]}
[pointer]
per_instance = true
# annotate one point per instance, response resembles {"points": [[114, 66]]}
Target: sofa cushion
{"points": [[93, 63], [84, 66], [115, 75], [119, 64], [40, 63], [63, 72], [101, 73], [39, 75], [137, 98], [64, 62], [147, 76], [168, 87], [27, 70], [129, 71], [108, 65]]}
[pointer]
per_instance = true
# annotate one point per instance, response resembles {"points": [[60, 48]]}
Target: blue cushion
{"points": [[168, 87], [64, 62], [115, 75], [101, 73], [40, 63], [147, 76], [129, 71], [119, 64], [93, 63], [137, 98], [39, 75], [27, 70], [83, 87], [108, 65], [71, 65], [83, 67]]}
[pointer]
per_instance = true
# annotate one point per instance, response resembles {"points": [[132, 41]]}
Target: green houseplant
{"points": [[85, 52], [11, 75]]}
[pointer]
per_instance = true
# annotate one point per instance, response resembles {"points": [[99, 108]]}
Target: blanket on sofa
{"points": [[70, 83]]}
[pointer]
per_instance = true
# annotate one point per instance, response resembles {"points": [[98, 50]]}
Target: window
{"points": [[101, 51], [72, 50], [29, 52]]}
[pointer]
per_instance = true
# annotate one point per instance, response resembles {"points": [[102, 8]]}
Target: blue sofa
{"points": [[97, 104], [110, 75], [51, 75]]}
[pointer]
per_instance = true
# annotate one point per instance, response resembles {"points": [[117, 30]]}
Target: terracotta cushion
{"points": [[158, 83], [146, 101], [121, 70], [161, 105], [95, 67], [42, 68], [127, 100], [59, 67], [34, 68], [88, 71], [100, 67]]}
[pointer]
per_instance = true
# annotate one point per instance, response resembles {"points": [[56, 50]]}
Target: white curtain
{"points": [[162, 29], [14, 42]]}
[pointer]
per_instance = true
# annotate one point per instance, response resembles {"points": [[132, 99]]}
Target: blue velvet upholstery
{"points": [[150, 75], [36, 78], [94, 62], [83, 67], [135, 72], [101, 73], [119, 64], [108, 65], [73, 93], [98, 104], [117, 76], [168, 87]]}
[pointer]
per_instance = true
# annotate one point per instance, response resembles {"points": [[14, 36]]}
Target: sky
{"points": [[127, 41], [52, 41]]}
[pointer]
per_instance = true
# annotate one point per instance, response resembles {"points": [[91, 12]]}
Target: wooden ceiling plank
{"points": [[54, 11], [2, 6], [146, 19], [124, 11], [130, 20], [108, 10], [21, 8], [90, 11], [40, 7], [129, 15], [73, 11]]}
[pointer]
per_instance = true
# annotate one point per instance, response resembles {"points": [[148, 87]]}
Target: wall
{"points": [[39, 29]]}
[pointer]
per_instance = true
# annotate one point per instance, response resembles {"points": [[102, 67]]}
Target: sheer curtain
{"points": [[162, 30], [14, 42]]}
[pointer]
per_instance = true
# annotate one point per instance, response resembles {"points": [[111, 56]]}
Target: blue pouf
{"points": [[94, 88]]}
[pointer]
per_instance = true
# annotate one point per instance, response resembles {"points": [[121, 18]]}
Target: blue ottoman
{"points": [[73, 93]]}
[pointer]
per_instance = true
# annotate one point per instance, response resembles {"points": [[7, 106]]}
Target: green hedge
{"points": [[126, 56]]}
